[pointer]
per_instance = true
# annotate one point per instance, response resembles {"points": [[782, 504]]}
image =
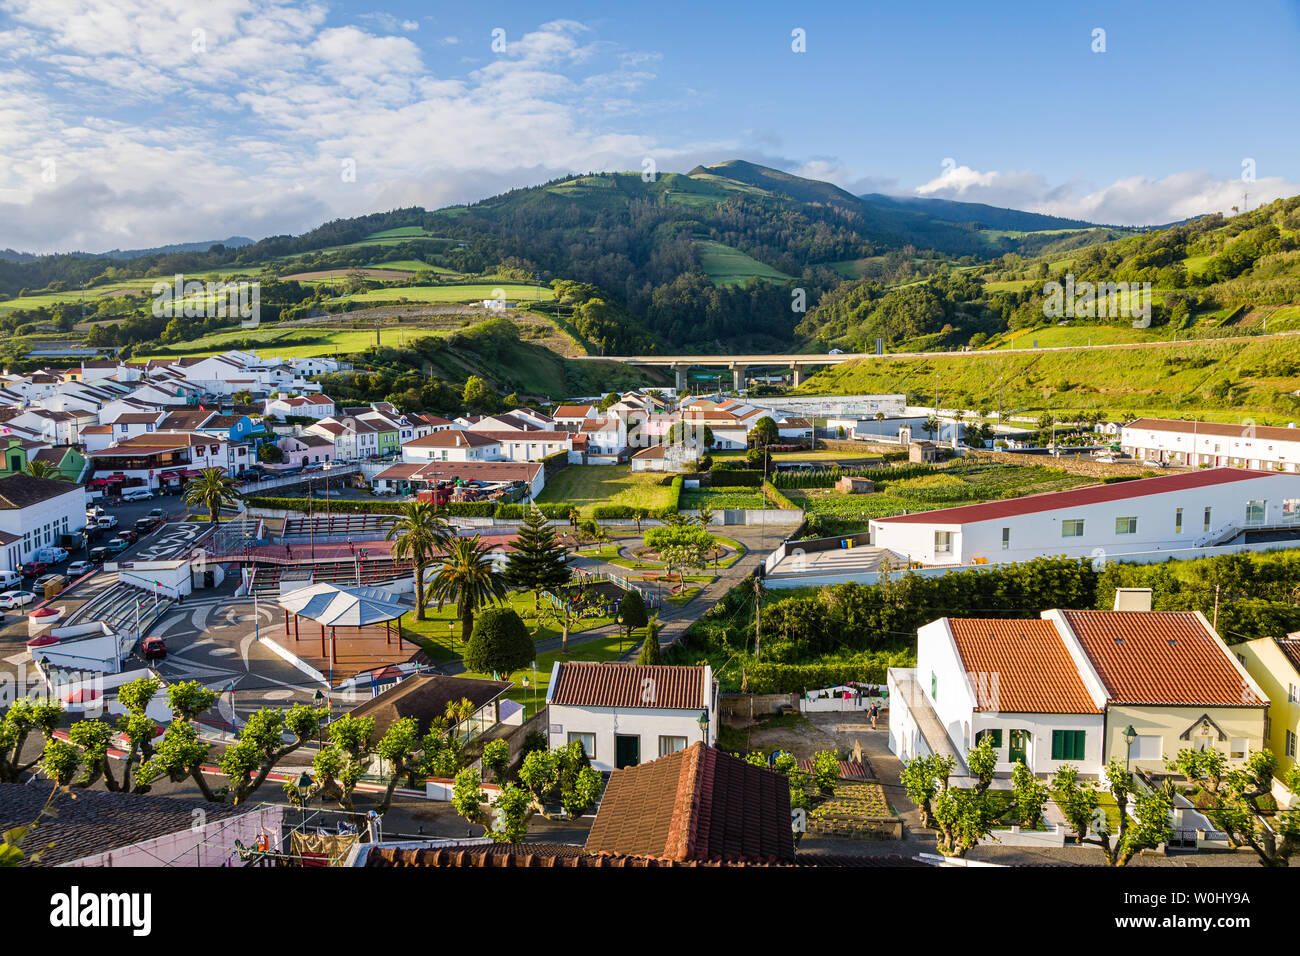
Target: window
{"points": [[1207, 520], [1255, 509], [1290, 744], [670, 745], [994, 735], [1068, 744], [934, 686], [1178, 521], [943, 542], [1290, 509], [588, 742], [1072, 528], [1006, 538], [1238, 748], [1292, 693], [1126, 525], [1147, 748]]}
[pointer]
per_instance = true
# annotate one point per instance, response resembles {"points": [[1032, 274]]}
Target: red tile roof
{"points": [[1265, 432], [1029, 670], [697, 804], [1160, 657], [1290, 647], [451, 438], [609, 684], [572, 411], [1091, 495]]}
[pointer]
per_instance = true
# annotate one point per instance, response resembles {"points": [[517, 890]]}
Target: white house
{"points": [[572, 416], [1169, 512], [626, 714], [34, 512], [452, 444], [1077, 688], [1211, 443], [306, 406]]}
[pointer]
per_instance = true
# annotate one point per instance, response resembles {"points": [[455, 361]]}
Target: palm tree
{"points": [[704, 515], [43, 469], [466, 577], [213, 489], [419, 534], [242, 397]]}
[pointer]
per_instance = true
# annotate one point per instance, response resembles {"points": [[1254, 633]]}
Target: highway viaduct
{"points": [[738, 364]]}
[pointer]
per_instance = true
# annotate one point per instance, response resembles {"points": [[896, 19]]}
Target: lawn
{"points": [[296, 342], [475, 292], [727, 266], [729, 498], [443, 643], [587, 487]]}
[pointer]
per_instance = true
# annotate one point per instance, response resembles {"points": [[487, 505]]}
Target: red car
{"points": [[154, 648], [34, 568]]}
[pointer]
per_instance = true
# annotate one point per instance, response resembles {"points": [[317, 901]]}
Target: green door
{"points": [[627, 751], [1019, 746]]}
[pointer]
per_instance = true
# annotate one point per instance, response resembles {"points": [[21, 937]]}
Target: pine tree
{"points": [[650, 653], [631, 612], [537, 561]]}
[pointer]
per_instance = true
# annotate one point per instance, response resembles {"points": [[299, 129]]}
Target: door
{"points": [[627, 751], [1018, 749]]}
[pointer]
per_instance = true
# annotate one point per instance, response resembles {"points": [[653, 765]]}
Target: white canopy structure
{"points": [[335, 606]]}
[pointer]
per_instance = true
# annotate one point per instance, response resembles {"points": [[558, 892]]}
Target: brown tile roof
{"points": [[1034, 672], [90, 822], [1160, 657], [572, 411], [1265, 432], [697, 804], [450, 438], [600, 424], [1290, 648], [22, 491], [425, 697], [469, 470], [610, 684], [552, 855], [137, 418]]}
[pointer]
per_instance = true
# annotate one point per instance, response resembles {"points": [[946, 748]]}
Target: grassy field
{"points": [[1216, 380], [411, 265], [294, 342], [446, 644], [448, 294], [727, 266], [721, 498], [607, 485]]}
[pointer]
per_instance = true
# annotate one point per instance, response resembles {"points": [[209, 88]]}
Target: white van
{"points": [[136, 494], [10, 579], [50, 555]]}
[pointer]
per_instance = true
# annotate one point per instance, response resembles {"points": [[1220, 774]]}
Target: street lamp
{"points": [[704, 726], [1130, 735]]}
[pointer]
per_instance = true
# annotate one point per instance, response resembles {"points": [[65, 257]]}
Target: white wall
{"points": [[606, 722], [943, 682], [1217, 450], [1039, 534]]}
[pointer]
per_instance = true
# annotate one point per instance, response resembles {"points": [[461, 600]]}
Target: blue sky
{"points": [[132, 123]]}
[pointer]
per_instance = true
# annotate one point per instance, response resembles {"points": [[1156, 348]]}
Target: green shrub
{"points": [[737, 478], [499, 643]]}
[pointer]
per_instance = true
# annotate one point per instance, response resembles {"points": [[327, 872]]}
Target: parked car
{"points": [[99, 555], [153, 647], [136, 494], [1106, 459], [129, 536], [16, 599], [143, 526], [106, 521], [34, 568], [77, 568], [39, 584], [117, 545], [10, 578], [156, 514]]}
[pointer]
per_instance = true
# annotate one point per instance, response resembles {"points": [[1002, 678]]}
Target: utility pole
{"points": [[1216, 606], [758, 611]]}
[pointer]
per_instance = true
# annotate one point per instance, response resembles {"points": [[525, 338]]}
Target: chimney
{"points": [[1133, 599]]}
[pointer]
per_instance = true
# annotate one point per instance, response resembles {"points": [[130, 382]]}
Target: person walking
{"points": [[874, 713]]}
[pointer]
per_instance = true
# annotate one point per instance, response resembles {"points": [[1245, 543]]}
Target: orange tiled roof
{"points": [[1030, 671], [1160, 657], [607, 684], [696, 804]]}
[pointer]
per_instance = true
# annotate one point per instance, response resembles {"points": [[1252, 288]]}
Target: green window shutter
{"points": [[997, 738], [1079, 737], [1058, 745]]}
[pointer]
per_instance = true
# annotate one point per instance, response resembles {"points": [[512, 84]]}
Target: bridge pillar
{"points": [[798, 374], [738, 376], [679, 372]]}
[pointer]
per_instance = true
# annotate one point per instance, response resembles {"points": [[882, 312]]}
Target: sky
{"points": [[136, 123]]}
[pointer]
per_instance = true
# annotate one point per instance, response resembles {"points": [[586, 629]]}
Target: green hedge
{"points": [[555, 509], [826, 477], [677, 496], [772, 678], [456, 509], [736, 478], [619, 511], [780, 500]]}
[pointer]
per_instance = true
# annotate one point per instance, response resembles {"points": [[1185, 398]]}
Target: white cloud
{"points": [[1133, 201]]}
